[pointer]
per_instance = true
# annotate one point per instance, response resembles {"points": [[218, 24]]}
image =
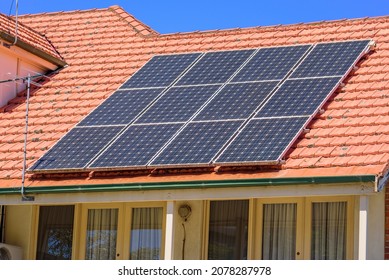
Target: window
{"points": [[146, 233], [228, 230], [120, 231], [279, 231], [328, 230], [101, 236], [304, 228], [55, 233]]}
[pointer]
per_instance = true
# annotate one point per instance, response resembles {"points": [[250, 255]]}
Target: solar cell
{"points": [[161, 71], [330, 59], [236, 101], [215, 67], [197, 143], [121, 107], [298, 97], [178, 104], [77, 148], [136, 146], [262, 140], [271, 63]]}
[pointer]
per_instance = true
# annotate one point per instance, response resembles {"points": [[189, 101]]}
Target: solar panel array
{"points": [[202, 109]]}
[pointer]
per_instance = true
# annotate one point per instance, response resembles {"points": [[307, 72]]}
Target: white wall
{"points": [[8, 70], [15, 62]]}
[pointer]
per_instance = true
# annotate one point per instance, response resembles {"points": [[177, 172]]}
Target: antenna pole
{"points": [[24, 197]]}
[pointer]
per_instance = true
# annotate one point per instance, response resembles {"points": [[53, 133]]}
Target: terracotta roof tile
{"points": [[27, 35], [352, 135]]}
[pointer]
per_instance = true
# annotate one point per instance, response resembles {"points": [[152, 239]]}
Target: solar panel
{"points": [[298, 97], [215, 67], [271, 63], [226, 107], [178, 104], [262, 140], [136, 146], [77, 148], [198, 143], [121, 107], [236, 101], [330, 59], [161, 71]]}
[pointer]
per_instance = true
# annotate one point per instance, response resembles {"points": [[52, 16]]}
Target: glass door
{"points": [[279, 229], [101, 234], [146, 233]]}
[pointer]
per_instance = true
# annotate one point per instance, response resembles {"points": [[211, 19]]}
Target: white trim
{"points": [[197, 194], [362, 242], [169, 231]]}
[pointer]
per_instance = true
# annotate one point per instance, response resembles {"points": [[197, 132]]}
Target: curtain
{"points": [[146, 233], [101, 234], [228, 230], [329, 221], [279, 231], [55, 233]]}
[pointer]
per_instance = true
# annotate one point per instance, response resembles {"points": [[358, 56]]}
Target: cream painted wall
{"points": [[376, 227], [193, 229], [18, 227]]}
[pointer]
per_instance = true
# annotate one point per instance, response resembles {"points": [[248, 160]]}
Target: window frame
{"points": [[127, 226], [299, 224], [349, 223], [35, 229], [84, 225], [207, 212]]}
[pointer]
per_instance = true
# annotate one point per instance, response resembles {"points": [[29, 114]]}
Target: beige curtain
{"points": [[329, 220], [146, 233], [101, 234], [228, 230], [279, 231]]}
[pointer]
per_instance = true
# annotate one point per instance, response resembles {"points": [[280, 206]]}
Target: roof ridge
{"points": [[264, 27], [63, 12], [121, 12]]}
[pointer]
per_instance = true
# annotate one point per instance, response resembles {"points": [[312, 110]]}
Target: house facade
{"points": [[327, 200]]}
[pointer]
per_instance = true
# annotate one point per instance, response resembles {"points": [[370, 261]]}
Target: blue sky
{"points": [[167, 16]]}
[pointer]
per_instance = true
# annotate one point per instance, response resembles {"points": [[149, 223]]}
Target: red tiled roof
{"points": [[104, 47], [27, 35]]}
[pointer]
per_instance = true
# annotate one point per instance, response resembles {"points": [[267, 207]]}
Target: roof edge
{"points": [[122, 13], [31, 49], [259, 182]]}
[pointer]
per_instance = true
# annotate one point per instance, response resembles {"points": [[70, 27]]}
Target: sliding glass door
{"points": [[279, 231], [329, 230]]}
